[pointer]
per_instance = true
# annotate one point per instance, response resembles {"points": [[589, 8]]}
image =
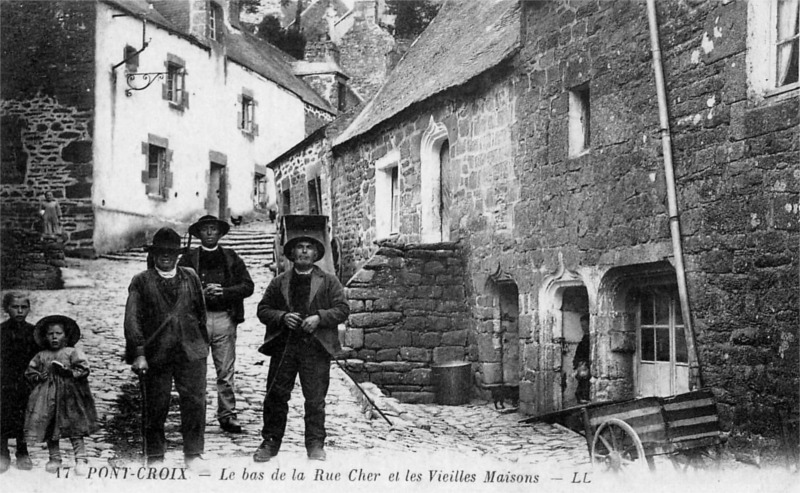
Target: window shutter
{"points": [[145, 148], [146, 176], [164, 91], [185, 99], [239, 120], [168, 179], [255, 129]]}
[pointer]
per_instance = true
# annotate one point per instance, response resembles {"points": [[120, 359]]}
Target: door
{"points": [[574, 327], [216, 202], [663, 361]]}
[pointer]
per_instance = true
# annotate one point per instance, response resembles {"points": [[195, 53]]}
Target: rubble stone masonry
{"points": [[407, 313]]}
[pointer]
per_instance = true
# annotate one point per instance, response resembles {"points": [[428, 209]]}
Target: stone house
{"points": [[499, 188], [139, 114]]}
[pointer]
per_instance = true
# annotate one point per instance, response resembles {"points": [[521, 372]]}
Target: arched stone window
{"points": [[433, 140]]}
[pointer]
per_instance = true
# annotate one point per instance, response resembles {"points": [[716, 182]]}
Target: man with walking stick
{"points": [[302, 309], [166, 340]]}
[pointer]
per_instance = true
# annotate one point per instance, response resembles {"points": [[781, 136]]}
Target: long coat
{"points": [[17, 348], [326, 299]]}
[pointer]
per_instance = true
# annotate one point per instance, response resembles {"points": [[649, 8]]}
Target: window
{"points": [[395, 225], [579, 120], [341, 96], [387, 194], [315, 196], [156, 177], [215, 22], [247, 113], [286, 202], [174, 88], [663, 357], [773, 46], [786, 43]]}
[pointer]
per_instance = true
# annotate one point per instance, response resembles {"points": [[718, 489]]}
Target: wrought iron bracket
{"points": [[147, 78]]}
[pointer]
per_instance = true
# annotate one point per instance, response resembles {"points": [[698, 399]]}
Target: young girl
{"points": [[17, 347], [51, 215], [60, 405]]}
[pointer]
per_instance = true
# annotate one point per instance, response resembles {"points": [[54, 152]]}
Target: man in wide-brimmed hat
{"points": [[226, 283], [302, 309], [166, 341]]}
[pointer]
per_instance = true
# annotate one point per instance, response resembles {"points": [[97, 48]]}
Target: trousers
{"points": [[222, 335], [190, 382], [78, 446], [303, 356]]}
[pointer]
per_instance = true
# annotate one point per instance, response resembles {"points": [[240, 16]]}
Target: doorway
{"points": [[575, 324], [216, 202]]}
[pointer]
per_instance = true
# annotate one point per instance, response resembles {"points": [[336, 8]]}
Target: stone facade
{"points": [[47, 135], [364, 56], [408, 313], [587, 232]]}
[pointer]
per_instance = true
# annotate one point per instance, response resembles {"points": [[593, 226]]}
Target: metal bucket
{"points": [[452, 382]]}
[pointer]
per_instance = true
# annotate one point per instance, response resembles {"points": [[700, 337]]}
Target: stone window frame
{"points": [[286, 197], [431, 183], [246, 117], [386, 197], [762, 49], [165, 177], [580, 125], [216, 18], [173, 90]]}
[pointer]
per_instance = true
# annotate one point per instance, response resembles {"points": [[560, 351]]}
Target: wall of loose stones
{"points": [[735, 160], [47, 98], [408, 312]]}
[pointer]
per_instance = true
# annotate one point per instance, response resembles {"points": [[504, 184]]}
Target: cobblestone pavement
{"points": [[452, 442]]}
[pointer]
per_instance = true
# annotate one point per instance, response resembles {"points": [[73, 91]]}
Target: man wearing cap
{"points": [[166, 341], [302, 309], [226, 283]]}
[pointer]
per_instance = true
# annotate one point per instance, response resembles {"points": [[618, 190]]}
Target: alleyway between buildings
{"points": [[472, 447]]}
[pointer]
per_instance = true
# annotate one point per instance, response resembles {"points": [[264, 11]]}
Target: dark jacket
{"points": [[326, 299], [238, 285], [148, 332], [17, 348]]}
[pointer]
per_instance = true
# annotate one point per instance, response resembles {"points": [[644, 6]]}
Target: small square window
{"points": [[579, 120], [156, 170], [174, 87]]}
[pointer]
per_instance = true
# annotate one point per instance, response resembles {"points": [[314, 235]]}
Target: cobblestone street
{"points": [[444, 444]]}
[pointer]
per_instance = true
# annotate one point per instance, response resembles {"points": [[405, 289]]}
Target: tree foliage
{"points": [[289, 40], [412, 16]]}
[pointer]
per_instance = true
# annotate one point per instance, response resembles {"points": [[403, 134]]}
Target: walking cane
{"points": [[375, 406], [143, 391]]}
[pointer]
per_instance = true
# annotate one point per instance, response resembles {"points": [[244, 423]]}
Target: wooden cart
{"points": [[628, 434]]}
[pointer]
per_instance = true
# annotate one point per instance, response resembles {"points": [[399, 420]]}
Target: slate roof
{"points": [[465, 39], [241, 46]]}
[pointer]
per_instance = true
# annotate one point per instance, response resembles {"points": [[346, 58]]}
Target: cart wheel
{"points": [[616, 447]]}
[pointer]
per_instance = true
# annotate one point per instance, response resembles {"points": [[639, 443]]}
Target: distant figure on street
{"points": [[226, 283], [302, 309], [166, 341], [582, 364], [61, 404], [51, 216], [17, 348]]}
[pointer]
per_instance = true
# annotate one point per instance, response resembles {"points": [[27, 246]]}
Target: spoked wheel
{"points": [[616, 447]]}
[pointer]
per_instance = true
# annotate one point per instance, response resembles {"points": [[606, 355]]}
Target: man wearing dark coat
{"points": [[166, 341], [302, 309], [226, 283]]}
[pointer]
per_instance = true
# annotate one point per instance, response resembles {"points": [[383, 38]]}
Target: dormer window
{"points": [[215, 22]]}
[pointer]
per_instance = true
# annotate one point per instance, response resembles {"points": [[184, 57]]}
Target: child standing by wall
{"points": [[60, 405], [17, 347]]}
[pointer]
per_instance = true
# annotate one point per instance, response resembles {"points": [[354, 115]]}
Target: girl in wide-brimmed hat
{"points": [[61, 404]]}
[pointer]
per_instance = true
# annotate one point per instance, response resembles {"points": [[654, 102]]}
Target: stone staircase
{"points": [[253, 242]]}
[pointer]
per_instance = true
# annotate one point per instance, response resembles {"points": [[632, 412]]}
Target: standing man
{"points": [[166, 341], [226, 283], [302, 309]]}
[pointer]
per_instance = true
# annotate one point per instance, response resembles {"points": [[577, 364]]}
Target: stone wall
{"points": [[363, 57], [408, 311], [292, 173], [47, 100], [29, 261], [524, 205]]}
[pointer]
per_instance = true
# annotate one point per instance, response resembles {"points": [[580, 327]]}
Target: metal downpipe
{"points": [[695, 380]]}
